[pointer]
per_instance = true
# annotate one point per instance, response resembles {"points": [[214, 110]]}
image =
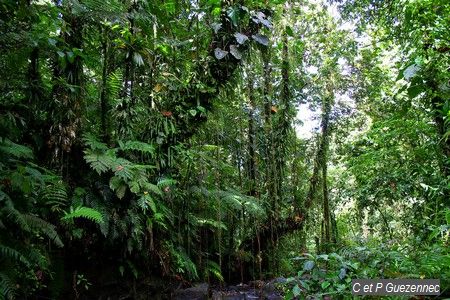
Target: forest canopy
{"points": [[148, 145]]}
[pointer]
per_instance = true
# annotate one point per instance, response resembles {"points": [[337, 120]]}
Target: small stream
{"points": [[253, 290]]}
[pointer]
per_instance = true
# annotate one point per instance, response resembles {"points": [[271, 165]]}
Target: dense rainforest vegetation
{"points": [[148, 145]]}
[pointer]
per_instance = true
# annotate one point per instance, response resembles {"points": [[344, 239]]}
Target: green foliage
{"points": [[84, 212], [213, 269], [24, 226], [10, 149], [331, 274], [7, 287]]}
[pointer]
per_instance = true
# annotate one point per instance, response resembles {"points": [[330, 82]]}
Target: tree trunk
{"points": [[251, 137], [67, 95], [103, 93]]}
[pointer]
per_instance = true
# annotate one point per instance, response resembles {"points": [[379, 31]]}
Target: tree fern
{"points": [[86, 213]]}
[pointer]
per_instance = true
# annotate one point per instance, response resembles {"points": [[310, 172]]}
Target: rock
{"points": [[256, 284], [251, 297], [279, 280], [274, 297], [198, 292], [231, 295], [271, 286], [242, 287]]}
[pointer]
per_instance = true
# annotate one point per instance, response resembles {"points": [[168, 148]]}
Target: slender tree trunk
{"points": [[326, 111], [313, 182], [326, 206], [103, 93], [251, 137], [334, 229], [34, 78], [284, 117]]}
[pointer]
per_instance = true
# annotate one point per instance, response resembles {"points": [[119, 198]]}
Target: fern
{"points": [[37, 257], [14, 216], [100, 162], [145, 202], [44, 227], [12, 254], [208, 222], [86, 213], [166, 182], [91, 141], [8, 148], [137, 146], [123, 168], [114, 83], [55, 196], [183, 263], [104, 207], [7, 287], [214, 269], [118, 185], [152, 188]]}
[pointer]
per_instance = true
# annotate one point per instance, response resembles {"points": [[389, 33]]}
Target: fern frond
{"points": [[7, 287], [137, 146], [55, 196], [214, 268], [36, 256], [208, 222], [100, 162], [114, 83], [118, 185], [166, 182], [86, 213], [15, 216], [152, 188], [145, 202], [44, 227], [123, 168], [92, 142], [8, 148], [12, 254], [4, 196], [184, 264]]}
